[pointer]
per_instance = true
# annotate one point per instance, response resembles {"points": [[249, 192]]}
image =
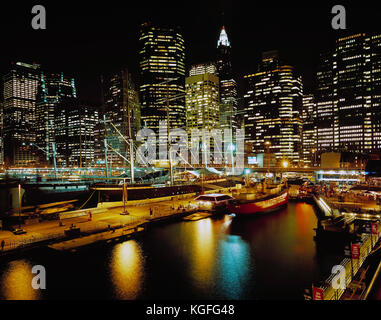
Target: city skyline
{"points": [[218, 150], [298, 32]]}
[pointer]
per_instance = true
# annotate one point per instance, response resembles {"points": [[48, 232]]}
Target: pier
{"points": [[108, 221], [334, 218]]}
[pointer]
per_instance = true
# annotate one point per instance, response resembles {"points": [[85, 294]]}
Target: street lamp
{"points": [[285, 164], [268, 144], [19, 192]]}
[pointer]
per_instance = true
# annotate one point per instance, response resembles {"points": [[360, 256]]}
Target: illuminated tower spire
{"points": [[223, 40], [228, 86]]}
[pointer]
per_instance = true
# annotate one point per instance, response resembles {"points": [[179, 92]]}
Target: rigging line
{"points": [[129, 144], [87, 200], [117, 153]]}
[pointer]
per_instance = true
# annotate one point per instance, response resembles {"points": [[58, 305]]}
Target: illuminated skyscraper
{"points": [[19, 93], [325, 120], [203, 68], [309, 146], [1, 135], [123, 110], [162, 69], [61, 100], [63, 121], [53, 92], [81, 123], [348, 96], [203, 106], [228, 85], [272, 109], [202, 102]]}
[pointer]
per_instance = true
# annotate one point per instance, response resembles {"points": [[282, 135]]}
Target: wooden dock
{"points": [[106, 237], [198, 216]]}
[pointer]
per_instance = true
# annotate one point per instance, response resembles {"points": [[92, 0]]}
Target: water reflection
{"points": [[270, 256], [234, 267], [220, 262], [203, 254], [16, 282], [127, 269]]}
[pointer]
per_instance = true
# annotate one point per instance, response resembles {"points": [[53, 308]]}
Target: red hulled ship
{"points": [[253, 203]]}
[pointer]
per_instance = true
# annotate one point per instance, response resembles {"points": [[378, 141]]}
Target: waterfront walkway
{"points": [[355, 269], [105, 218], [354, 202]]}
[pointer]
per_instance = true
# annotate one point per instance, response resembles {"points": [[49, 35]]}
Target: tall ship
{"points": [[262, 198]]}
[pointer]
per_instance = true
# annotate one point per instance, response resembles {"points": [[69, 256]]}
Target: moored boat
{"points": [[256, 203]]}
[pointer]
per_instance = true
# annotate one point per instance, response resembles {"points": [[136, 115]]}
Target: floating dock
{"points": [[107, 236], [198, 216]]}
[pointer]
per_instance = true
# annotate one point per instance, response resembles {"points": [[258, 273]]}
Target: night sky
{"points": [[87, 38]]}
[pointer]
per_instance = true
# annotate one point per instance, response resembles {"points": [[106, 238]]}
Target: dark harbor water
{"points": [[272, 256]]}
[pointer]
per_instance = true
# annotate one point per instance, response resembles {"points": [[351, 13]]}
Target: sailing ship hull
{"points": [[268, 204], [115, 192], [54, 192]]}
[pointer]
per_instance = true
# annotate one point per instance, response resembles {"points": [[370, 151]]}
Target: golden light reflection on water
{"points": [[127, 269], [203, 253], [305, 218], [17, 282]]}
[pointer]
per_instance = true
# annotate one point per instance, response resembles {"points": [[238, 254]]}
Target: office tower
{"points": [[326, 129], [81, 123], [202, 102], [272, 109], [74, 134], [348, 96], [65, 119], [99, 141], [19, 93], [162, 70], [1, 136], [308, 130], [375, 72], [228, 85], [122, 109], [203, 68], [54, 92]]}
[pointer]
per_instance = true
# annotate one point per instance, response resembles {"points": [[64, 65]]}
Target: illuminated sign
{"points": [[252, 160], [318, 293], [355, 251], [374, 228]]}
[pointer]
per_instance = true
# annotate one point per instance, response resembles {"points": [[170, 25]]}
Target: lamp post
{"points": [[19, 206], [268, 144], [124, 195]]}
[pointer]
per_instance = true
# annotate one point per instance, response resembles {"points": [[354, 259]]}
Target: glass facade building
{"points": [[273, 102], [20, 87], [309, 147], [348, 95], [122, 109], [202, 68], [228, 85], [202, 102], [162, 71]]}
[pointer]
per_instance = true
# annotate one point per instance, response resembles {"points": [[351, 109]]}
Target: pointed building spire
{"points": [[223, 40]]}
